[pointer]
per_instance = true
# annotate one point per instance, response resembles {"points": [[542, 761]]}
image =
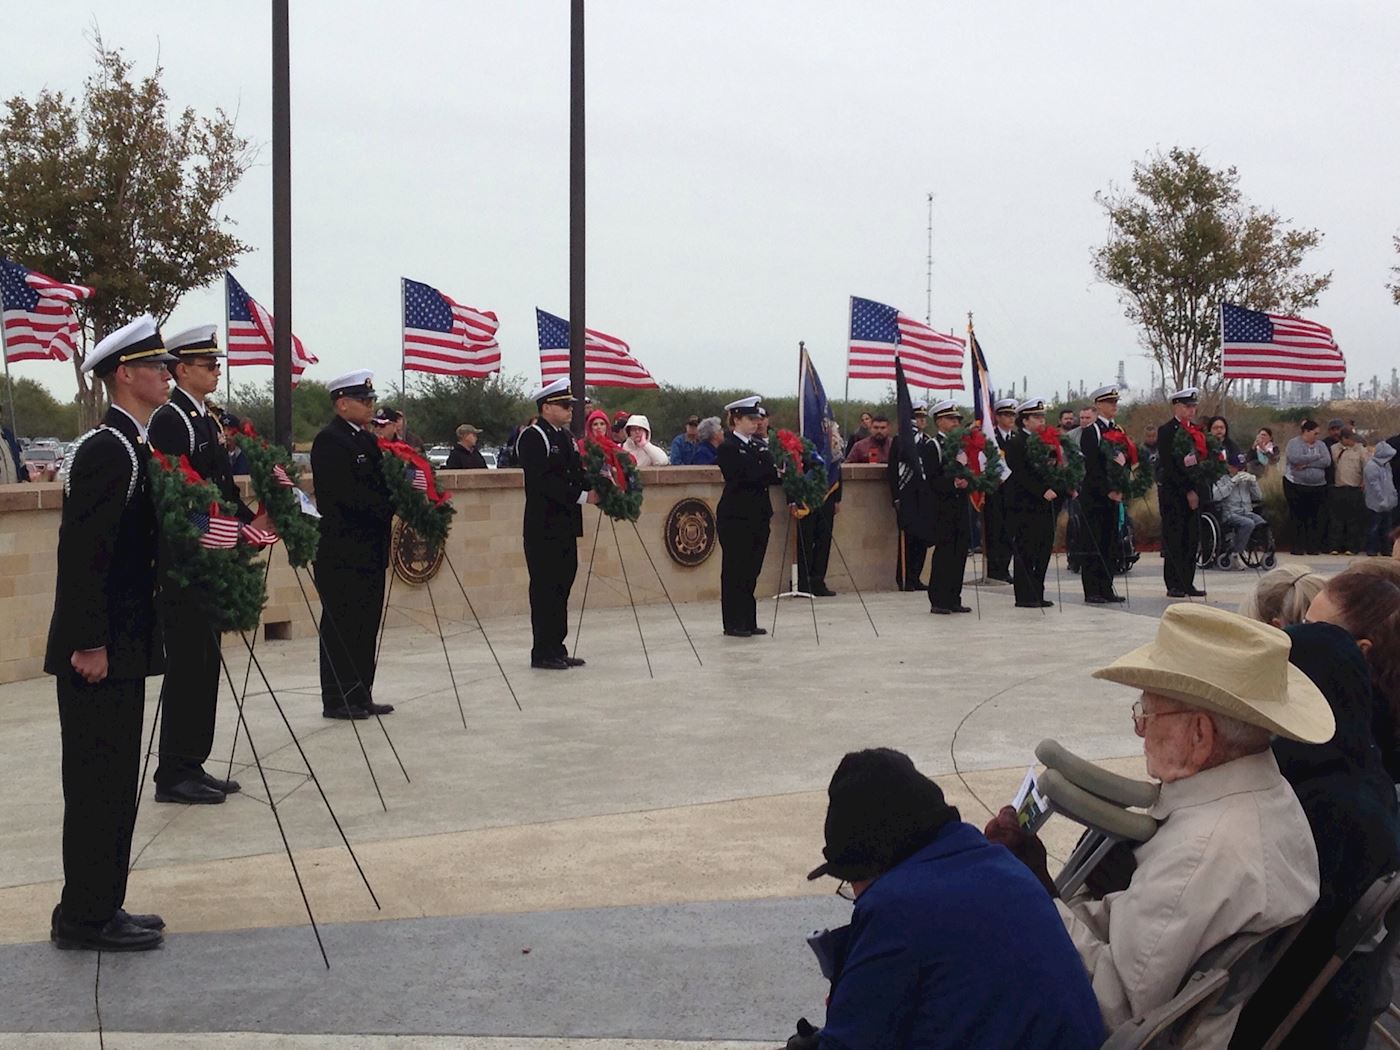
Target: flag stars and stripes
{"points": [[216, 531], [879, 332], [1259, 345], [443, 337], [608, 361], [38, 316]]}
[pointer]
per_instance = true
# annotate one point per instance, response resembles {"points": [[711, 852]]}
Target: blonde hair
{"points": [[1282, 594]]}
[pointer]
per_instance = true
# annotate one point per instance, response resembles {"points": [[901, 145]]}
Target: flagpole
{"points": [[846, 398], [403, 363], [9, 383]]}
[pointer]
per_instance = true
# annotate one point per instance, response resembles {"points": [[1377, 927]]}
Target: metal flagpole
{"points": [[403, 362], [9, 383]]}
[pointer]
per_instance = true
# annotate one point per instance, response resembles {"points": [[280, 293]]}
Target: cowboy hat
{"points": [[1222, 662]]}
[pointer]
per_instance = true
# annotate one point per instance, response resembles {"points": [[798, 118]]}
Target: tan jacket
{"points": [[1350, 463], [1234, 854]]}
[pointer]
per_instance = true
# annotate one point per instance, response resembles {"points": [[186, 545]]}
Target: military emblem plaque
{"points": [[690, 532], [413, 559]]}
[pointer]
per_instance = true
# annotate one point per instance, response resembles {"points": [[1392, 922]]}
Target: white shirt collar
{"points": [[353, 426], [198, 401], [140, 427], [1106, 421], [745, 438]]}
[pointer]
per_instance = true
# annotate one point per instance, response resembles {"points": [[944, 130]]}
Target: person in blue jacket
{"points": [[952, 942]]}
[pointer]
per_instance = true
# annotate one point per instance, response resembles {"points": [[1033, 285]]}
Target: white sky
{"points": [[753, 164]]}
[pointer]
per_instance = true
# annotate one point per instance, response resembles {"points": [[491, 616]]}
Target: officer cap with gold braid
{"points": [[199, 341], [136, 343], [556, 392]]}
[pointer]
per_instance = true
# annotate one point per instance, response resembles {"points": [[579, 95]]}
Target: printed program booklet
{"points": [[1032, 808]]}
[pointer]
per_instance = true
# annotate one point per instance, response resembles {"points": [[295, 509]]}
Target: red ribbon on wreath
{"points": [[1051, 438], [409, 455], [1122, 440], [792, 445], [1198, 436], [974, 445], [610, 449]]}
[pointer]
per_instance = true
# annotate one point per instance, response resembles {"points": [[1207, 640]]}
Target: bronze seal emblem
{"points": [[413, 560], [690, 532]]}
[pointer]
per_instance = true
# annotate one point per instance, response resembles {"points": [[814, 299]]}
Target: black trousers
{"points": [[1306, 505], [1347, 518], [1032, 536], [996, 536], [814, 547], [1097, 536], [553, 564], [909, 560], [1181, 540], [352, 603], [101, 736], [949, 562], [742, 546], [188, 695]]}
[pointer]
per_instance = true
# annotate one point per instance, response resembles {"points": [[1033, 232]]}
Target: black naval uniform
{"points": [[553, 522], [952, 526], [1100, 515], [814, 546], [913, 548], [1181, 526], [1030, 519], [105, 596], [191, 687], [996, 529], [356, 513], [743, 519]]}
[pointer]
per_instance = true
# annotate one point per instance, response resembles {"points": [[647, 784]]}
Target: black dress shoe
{"points": [[551, 663], [1176, 594], [938, 610], [228, 787], [345, 714], [1195, 592], [758, 630], [824, 592], [378, 709], [737, 632], [1045, 604], [146, 922], [118, 935], [574, 661], [192, 792], [1094, 599], [1115, 599], [1000, 579], [1028, 605], [962, 608]]}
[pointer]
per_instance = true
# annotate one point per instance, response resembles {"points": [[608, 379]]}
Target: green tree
{"points": [[1183, 240], [115, 192], [311, 407], [37, 412]]}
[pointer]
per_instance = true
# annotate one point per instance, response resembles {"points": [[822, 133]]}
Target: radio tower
{"points": [[928, 289]]}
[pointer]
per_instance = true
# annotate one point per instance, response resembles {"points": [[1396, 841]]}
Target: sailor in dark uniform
{"points": [[996, 535], [1030, 508], [184, 426], [556, 490], [743, 517], [912, 550], [952, 527], [1178, 501], [1098, 504], [104, 642], [353, 552]]}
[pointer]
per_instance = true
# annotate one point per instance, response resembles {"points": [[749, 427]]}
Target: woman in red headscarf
{"points": [[598, 431]]}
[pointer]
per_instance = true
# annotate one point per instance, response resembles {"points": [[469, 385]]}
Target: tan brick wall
{"points": [[485, 549]]}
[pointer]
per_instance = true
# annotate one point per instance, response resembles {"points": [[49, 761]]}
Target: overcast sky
{"points": [[753, 164]]}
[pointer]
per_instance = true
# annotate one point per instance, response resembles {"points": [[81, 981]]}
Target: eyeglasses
{"points": [[845, 891], [212, 366], [1140, 716]]}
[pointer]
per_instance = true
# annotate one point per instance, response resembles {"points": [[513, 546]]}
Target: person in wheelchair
{"points": [[1233, 852], [1234, 497]]}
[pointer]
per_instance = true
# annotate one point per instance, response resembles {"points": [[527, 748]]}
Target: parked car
{"points": [[38, 459], [490, 456], [437, 455]]}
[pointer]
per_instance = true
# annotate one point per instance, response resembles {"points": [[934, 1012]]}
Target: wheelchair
{"points": [[1217, 543], [1123, 554]]}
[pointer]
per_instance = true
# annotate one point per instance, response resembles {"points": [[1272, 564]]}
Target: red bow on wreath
{"points": [[407, 453], [1198, 436], [247, 430], [1051, 437], [610, 449], [974, 445], [792, 445], [1121, 439]]}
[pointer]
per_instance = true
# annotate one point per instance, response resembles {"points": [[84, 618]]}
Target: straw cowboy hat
{"points": [[1222, 662]]}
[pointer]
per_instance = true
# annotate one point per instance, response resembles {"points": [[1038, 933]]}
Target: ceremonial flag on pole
{"points": [[914, 511], [1257, 345], [444, 338], [608, 361], [217, 530], [250, 332], [878, 332], [981, 390], [817, 422], [39, 321]]}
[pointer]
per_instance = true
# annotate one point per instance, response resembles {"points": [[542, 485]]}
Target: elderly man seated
{"points": [[1234, 852]]}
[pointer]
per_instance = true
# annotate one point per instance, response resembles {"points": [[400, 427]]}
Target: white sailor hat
{"points": [[1105, 393], [947, 407], [199, 341], [1034, 404], [1187, 395], [919, 407], [1004, 404], [358, 384], [745, 406], [138, 341], [762, 412], [555, 392]]}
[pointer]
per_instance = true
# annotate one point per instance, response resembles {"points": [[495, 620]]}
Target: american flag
{"points": [[40, 324], [279, 475], [878, 332], [441, 337], [259, 537], [417, 478], [216, 530], [250, 332], [608, 361], [1256, 345]]}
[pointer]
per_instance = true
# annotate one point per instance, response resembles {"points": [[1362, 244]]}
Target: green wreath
{"points": [[624, 504], [429, 514], [802, 471], [1065, 477], [223, 584], [1209, 467], [972, 441], [297, 530], [1134, 477]]}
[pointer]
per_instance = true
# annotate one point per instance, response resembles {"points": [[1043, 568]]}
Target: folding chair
{"points": [[1358, 927], [1172, 1023]]}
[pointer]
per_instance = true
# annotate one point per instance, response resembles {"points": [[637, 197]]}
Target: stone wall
{"points": [[484, 548]]}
